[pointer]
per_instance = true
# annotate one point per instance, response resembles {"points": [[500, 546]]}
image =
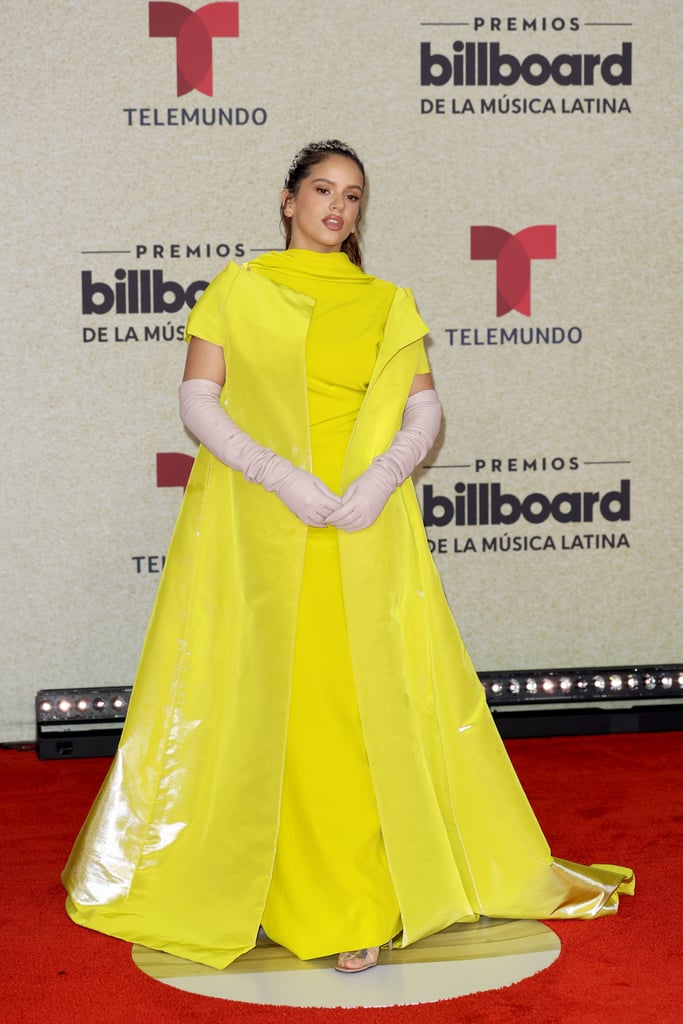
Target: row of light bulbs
{"points": [[579, 685], [82, 704], [60, 705]]}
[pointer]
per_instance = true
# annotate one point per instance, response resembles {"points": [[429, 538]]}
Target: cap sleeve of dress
{"points": [[207, 317], [417, 323]]}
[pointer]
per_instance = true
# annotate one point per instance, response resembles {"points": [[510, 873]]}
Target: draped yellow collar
{"points": [[333, 266]]}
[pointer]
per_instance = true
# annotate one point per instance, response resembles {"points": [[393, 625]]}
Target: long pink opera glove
{"points": [[365, 498], [204, 416]]}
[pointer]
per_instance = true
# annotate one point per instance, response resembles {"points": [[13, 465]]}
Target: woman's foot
{"points": [[357, 960]]}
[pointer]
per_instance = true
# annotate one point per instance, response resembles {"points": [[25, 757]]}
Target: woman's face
{"points": [[324, 211]]}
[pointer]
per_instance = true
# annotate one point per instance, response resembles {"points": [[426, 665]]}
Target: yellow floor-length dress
{"points": [[331, 888], [245, 789]]}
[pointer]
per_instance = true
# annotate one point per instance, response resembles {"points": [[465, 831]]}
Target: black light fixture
{"points": [[80, 722], [555, 702], [589, 700]]}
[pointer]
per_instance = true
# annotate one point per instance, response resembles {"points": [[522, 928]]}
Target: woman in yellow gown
{"points": [[307, 746]]}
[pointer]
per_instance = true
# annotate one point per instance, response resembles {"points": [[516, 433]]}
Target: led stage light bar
{"points": [[589, 700], [80, 722], [88, 722]]}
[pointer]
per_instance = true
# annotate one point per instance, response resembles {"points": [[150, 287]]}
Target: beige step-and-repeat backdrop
{"points": [[523, 160]]}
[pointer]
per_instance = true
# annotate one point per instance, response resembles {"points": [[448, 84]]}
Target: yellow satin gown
{"points": [[245, 790], [331, 888]]}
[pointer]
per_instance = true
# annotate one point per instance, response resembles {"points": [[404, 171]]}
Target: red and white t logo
{"points": [[194, 32], [513, 255], [173, 469]]}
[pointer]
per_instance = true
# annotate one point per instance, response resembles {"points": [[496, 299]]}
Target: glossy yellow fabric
{"points": [[180, 848], [331, 887]]}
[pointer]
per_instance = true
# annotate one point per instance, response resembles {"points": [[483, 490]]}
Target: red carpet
{"points": [[616, 799]]}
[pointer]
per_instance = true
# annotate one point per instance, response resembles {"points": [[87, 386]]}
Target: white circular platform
{"points": [[463, 959]]}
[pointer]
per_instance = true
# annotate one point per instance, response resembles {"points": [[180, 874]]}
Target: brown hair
{"points": [[299, 169]]}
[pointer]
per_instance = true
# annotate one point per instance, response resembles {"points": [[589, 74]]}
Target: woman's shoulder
{"points": [[397, 292], [228, 274], [387, 285], [381, 284]]}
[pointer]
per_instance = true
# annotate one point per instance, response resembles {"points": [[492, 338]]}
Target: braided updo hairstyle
{"points": [[300, 168]]}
